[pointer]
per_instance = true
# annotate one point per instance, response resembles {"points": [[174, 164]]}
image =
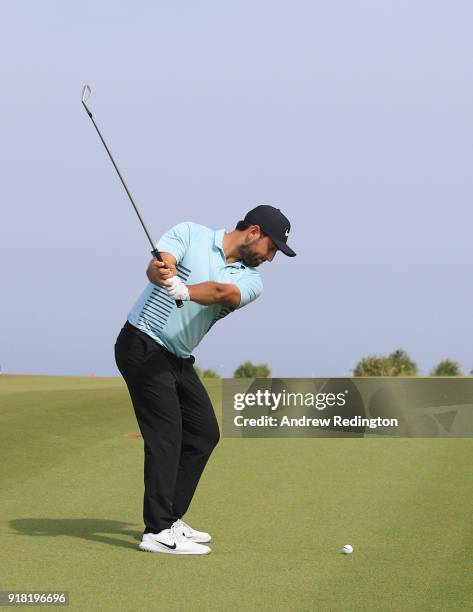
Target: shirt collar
{"points": [[218, 242]]}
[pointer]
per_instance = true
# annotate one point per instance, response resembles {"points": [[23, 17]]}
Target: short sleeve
{"points": [[250, 288], [176, 241]]}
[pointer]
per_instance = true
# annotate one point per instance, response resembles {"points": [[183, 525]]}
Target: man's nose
{"points": [[270, 256]]}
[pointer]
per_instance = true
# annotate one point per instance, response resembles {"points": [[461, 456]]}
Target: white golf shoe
{"points": [[171, 541], [191, 534]]}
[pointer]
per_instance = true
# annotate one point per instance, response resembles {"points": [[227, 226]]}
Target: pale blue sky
{"points": [[354, 117]]}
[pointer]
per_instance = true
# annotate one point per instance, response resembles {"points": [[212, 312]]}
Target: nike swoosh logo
{"points": [[173, 547], [287, 233]]}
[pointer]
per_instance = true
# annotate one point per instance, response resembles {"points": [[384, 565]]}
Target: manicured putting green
{"points": [[279, 510]]}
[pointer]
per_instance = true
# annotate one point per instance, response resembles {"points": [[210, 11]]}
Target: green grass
{"points": [[279, 511]]}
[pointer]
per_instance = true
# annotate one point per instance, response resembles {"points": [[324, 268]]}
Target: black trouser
{"points": [[176, 419]]}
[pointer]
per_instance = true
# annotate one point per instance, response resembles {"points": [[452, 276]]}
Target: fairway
{"points": [[279, 511]]}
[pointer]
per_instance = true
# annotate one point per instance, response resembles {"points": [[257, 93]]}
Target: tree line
{"points": [[398, 363], [244, 370]]}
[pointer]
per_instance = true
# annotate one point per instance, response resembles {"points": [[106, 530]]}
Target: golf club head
{"points": [[86, 93]]}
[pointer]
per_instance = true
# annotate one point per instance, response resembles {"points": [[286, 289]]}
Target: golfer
{"points": [[213, 273]]}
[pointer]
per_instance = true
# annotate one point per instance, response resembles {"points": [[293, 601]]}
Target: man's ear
{"points": [[253, 232]]}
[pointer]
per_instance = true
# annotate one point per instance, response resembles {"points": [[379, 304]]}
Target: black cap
{"points": [[273, 223]]}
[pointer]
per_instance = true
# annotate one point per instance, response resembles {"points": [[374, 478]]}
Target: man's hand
{"points": [[160, 271], [176, 289]]}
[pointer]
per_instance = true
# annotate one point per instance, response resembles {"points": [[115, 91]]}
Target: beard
{"points": [[248, 256]]}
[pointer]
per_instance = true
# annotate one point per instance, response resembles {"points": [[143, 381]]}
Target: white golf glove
{"points": [[177, 290]]}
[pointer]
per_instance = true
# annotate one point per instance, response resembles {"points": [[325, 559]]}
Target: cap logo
{"points": [[287, 233]]}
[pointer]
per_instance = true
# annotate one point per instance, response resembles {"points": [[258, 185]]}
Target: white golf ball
{"points": [[348, 549]]}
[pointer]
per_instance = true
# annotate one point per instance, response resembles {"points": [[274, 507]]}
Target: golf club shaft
{"points": [[154, 251]]}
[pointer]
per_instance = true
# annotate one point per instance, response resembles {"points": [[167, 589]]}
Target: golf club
{"points": [[85, 96]]}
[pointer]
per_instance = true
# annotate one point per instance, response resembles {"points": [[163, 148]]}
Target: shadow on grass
{"points": [[84, 529]]}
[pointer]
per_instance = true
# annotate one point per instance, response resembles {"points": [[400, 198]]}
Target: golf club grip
{"points": [[157, 254]]}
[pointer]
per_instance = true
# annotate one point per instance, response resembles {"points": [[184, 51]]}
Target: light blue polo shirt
{"points": [[200, 258]]}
